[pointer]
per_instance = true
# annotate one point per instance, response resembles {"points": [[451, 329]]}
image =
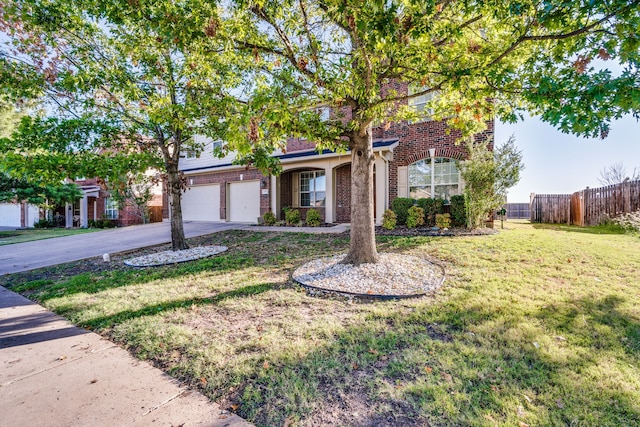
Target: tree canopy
{"points": [[256, 72]]}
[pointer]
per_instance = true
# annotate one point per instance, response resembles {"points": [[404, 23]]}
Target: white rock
{"points": [[106, 258]]}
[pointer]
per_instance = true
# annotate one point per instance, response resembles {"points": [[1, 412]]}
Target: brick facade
{"points": [[414, 142], [343, 193]]}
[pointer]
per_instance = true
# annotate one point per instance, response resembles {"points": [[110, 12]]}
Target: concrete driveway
{"points": [[43, 253]]}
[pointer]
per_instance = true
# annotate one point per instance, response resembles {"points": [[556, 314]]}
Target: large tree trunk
{"points": [[174, 187], [362, 248]]}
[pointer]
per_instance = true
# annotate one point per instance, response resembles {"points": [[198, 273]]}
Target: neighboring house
{"points": [[415, 160], [96, 204], [18, 215]]}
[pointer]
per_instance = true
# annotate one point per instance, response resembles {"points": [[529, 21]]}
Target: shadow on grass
{"points": [[151, 310], [91, 282], [427, 368], [599, 229]]}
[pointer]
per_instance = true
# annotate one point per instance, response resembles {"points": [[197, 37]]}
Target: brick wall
{"points": [[343, 193]]}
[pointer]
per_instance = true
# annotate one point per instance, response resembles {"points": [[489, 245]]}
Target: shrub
{"points": [[269, 218], [92, 223], [431, 207], [292, 216], [400, 206], [458, 215], [43, 223], [313, 218], [107, 223], [389, 220], [415, 217], [629, 221], [443, 220]]}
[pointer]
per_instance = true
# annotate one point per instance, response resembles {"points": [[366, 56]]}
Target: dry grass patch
{"points": [[535, 326]]}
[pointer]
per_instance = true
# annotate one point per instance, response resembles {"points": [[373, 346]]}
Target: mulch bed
{"points": [[403, 230]]}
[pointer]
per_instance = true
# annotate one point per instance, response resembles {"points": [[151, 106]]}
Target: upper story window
{"points": [[313, 187], [420, 102], [110, 208], [324, 113], [436, 177]]}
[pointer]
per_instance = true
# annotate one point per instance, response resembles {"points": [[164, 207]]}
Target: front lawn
{"points": [[19, 236], [534, 326]]}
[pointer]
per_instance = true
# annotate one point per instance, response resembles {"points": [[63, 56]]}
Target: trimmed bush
{"points": [[43, 223], [389, 220], [458, 212], [313, 218], [400, 206], [292, 216], [269, 218], [443, 220], [415, 217], [431, 207]]}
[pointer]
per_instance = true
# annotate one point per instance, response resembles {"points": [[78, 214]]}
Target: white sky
{"points": [[557, 163]]}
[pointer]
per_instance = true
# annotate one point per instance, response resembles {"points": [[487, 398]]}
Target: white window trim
{"points": [[432, 161], [113, 208], [299, 188]]}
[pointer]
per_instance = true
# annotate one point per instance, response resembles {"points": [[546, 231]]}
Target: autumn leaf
{"points": [[373, 351], [428, 369], [265, 365], [234, 407], [203, 381], [603, 54]]}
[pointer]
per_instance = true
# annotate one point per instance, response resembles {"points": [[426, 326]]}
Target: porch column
{"points": [[84, 211], [329, 196], [68, 215], [381, 188], [275, 195]]}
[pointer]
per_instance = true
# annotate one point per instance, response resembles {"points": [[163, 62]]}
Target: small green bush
{"points": [[292, 216], [458, 212], [107, 223], [389, 220], [443, 220], [269, 218], [415, 217], [431, 207], [313, 218], [43, 223], [400, 206]]}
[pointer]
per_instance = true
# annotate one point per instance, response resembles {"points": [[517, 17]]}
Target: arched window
{"points": [[435, 177]]}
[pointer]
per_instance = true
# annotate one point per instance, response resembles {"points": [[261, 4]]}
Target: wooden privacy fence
{"points": [[590, 206]]}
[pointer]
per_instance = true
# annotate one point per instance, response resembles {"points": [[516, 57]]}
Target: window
{"points": [[324, 113], [436, 177], [419, 103], [312, 189], [110, 209]]}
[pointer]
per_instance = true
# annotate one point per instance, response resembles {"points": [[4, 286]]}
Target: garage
{"points": [[11, 215], [244, 201], [201, 203]]}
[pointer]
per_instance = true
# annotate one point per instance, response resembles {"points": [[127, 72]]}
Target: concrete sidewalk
{"points": [[53, 373]]}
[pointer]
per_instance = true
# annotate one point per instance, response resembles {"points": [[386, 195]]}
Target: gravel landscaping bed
{"points": [[173, 257], [394, 276]]}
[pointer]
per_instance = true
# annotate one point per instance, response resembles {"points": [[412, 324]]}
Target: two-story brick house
{"points": [[411, 160]]}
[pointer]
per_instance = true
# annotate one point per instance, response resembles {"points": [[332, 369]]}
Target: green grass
{"points": [[20, 236], [534, 325]]}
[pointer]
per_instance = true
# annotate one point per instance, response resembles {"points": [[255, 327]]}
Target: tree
{"points": [[616, 174], [46, 197], [481, 58], [134, 190], [487, 176], [140, 66]]}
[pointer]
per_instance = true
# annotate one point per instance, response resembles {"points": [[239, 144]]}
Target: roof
{"points": [[377, 146]]}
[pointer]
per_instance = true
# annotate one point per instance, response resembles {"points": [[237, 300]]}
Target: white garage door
{"points": [[244, 201], [201, 203], [9, 215]]}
